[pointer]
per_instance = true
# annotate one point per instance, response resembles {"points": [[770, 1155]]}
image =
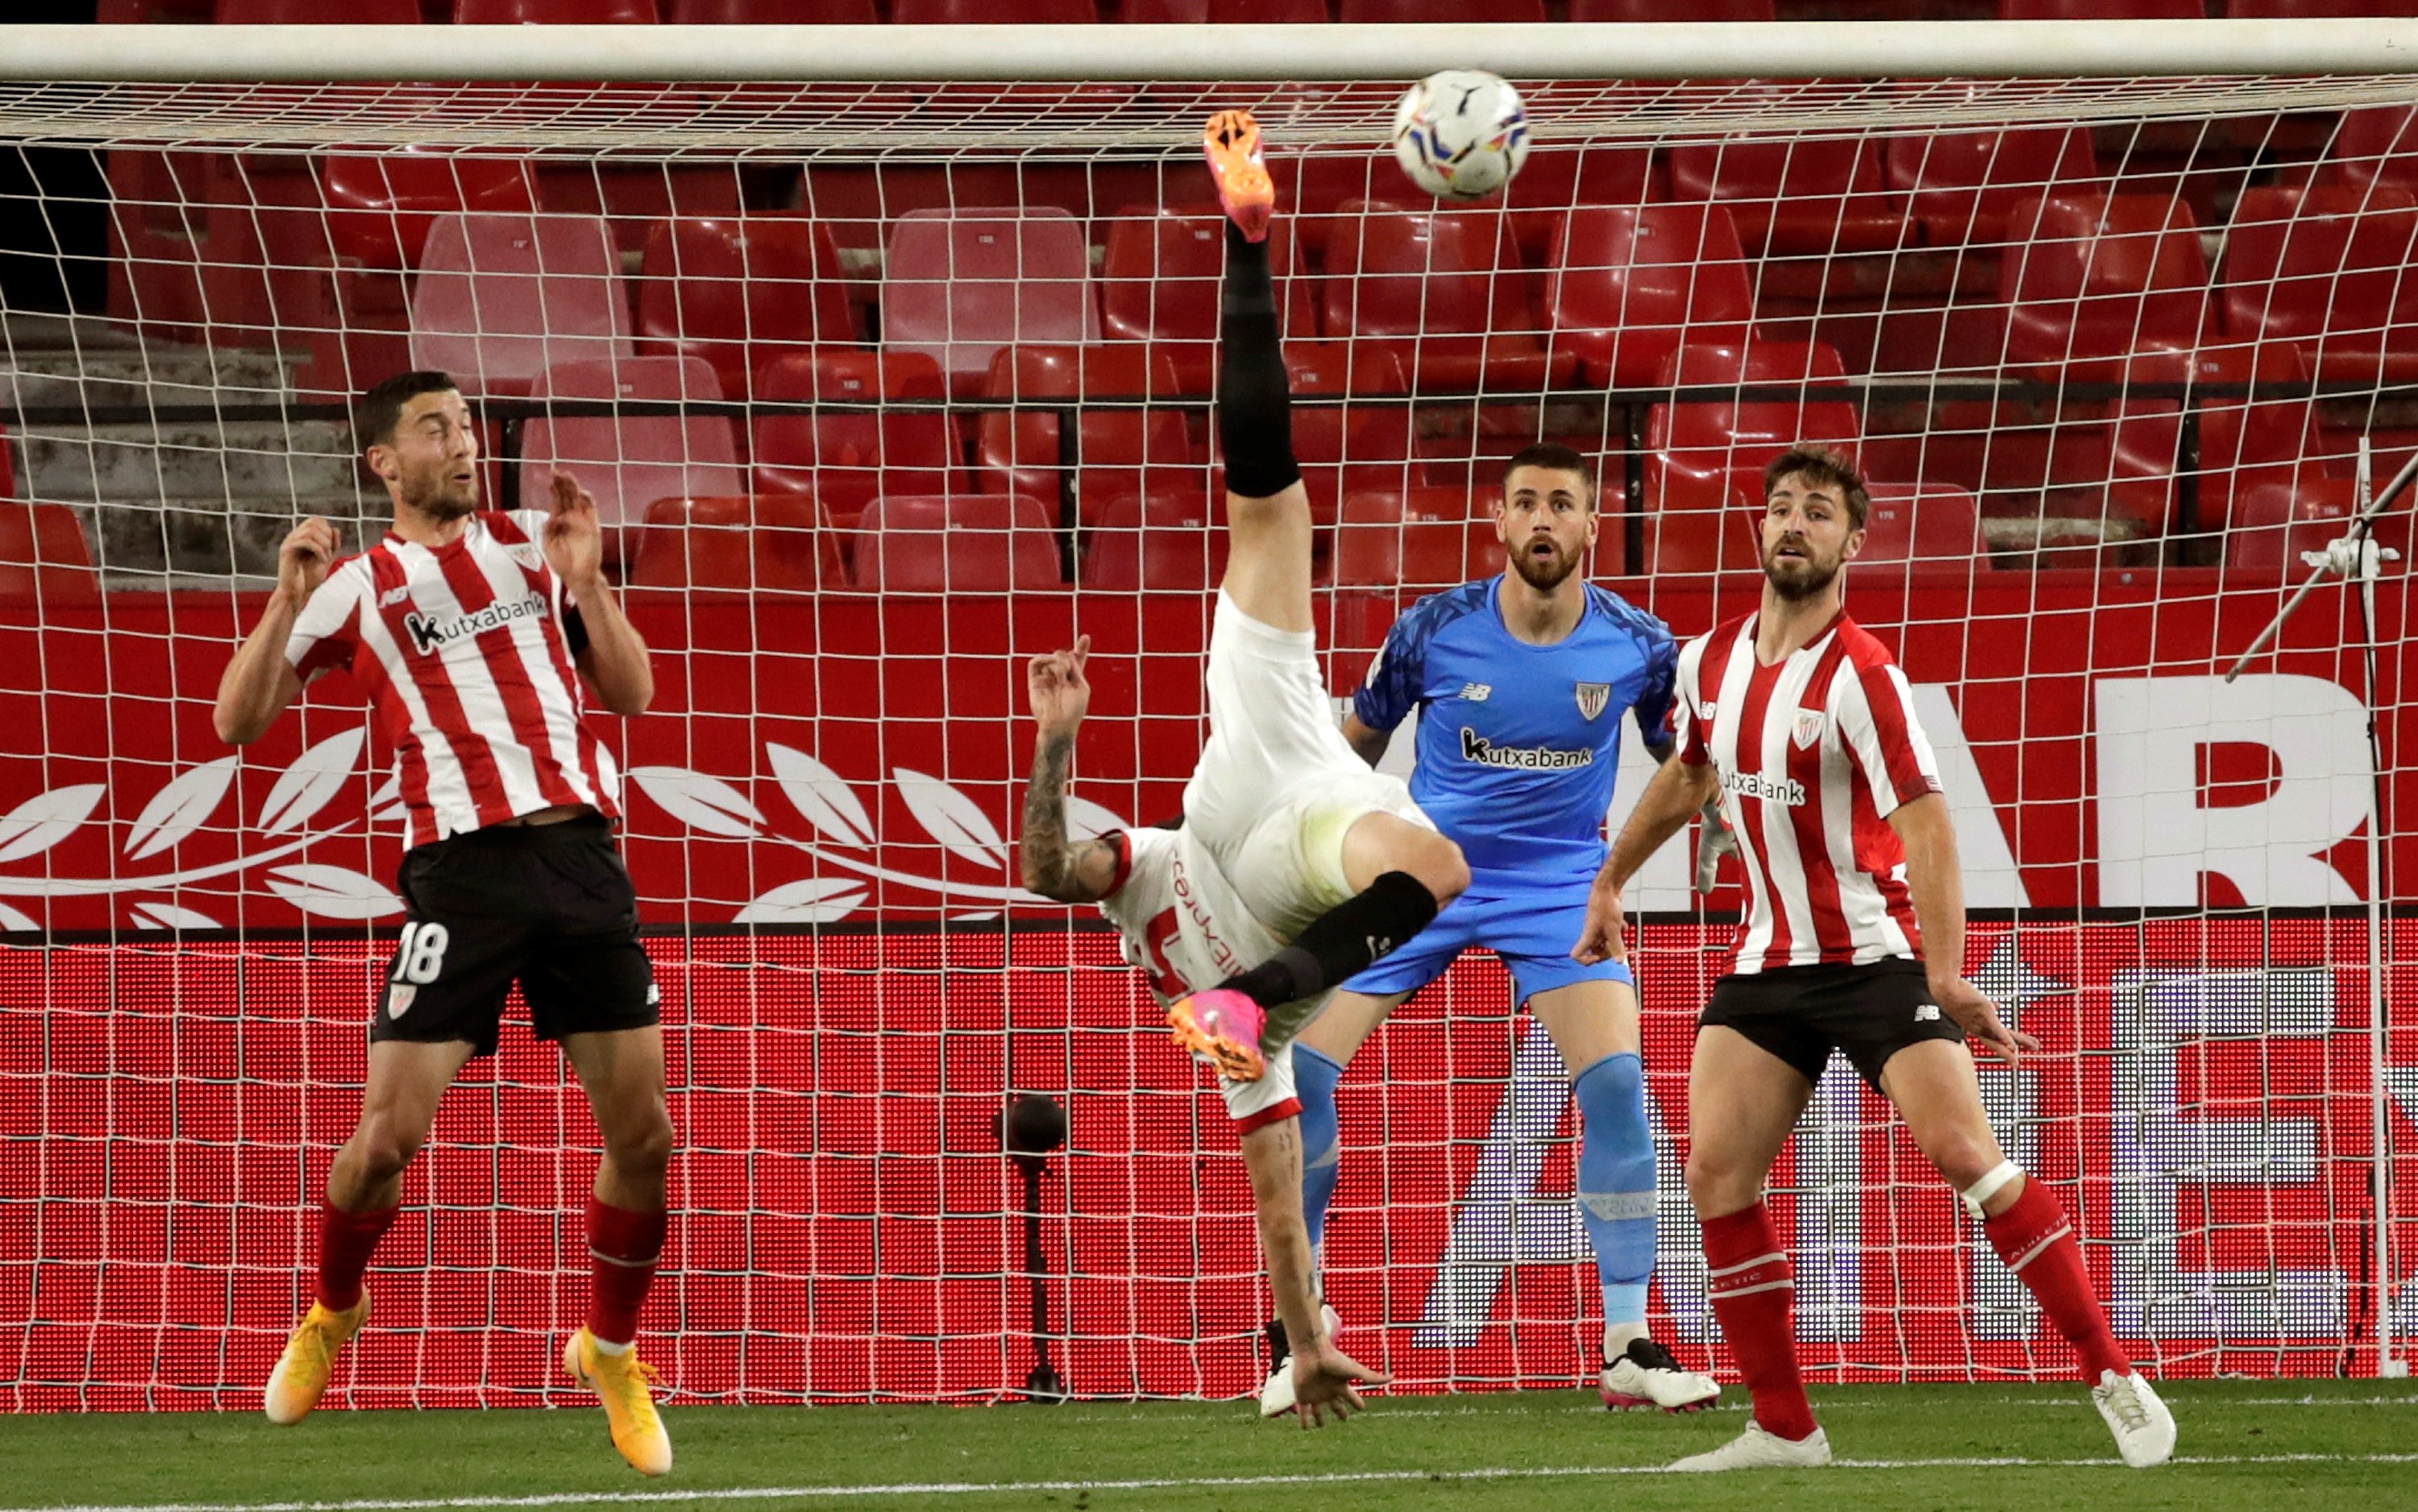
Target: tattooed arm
{"points": [[1086, 870]]}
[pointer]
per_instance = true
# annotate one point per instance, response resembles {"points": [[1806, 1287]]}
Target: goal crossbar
{"points": [[1833, 50]]}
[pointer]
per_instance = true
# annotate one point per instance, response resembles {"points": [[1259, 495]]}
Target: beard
{"points": [[443, 500], [1798, 578], [1546, 574]]}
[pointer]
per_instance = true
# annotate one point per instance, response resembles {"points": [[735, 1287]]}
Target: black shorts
{"points": [[1801, 1013], [549, 906]]}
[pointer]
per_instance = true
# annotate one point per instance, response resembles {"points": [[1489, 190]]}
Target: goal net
{"points": [[885, 386]]}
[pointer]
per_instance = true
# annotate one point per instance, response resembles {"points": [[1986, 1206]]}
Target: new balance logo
{"points": [[1379, 946], [1927, 1013], [394, 595], [1477, 692]]}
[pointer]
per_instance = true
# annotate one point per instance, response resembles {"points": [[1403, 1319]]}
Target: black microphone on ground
{"points": [[1029, 1129]]}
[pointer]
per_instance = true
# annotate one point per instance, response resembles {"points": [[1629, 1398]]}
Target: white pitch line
{"points": [[1003, 1487]]}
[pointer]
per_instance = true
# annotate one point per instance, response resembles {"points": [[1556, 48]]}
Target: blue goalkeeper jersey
{"points": [[1519, 745]]}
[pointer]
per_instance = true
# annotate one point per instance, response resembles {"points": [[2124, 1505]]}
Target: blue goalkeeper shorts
{"points": [[1531, 926]]}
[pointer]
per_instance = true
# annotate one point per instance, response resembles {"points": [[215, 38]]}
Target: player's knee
{"points": [[1963, 1156], [1718, 1183], [641, 1143], [1437, 862], [385, 1143]]}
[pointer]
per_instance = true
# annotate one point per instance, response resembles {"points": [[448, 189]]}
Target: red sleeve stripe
{"points": [[1892, 721], [1122, 842]]}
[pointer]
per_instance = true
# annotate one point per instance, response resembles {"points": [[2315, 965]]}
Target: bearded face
{"points": [[1547, 524], [432, 459], [1808, 535]]}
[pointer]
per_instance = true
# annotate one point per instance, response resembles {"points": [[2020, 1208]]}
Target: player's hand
{"points": [[1060, 693], [575, 541], [1602, 939], [303, 559], [1977, 1016], [1714, 840], [1327, 1380]]}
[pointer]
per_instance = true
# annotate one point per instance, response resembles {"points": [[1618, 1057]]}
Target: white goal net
{"points": [[884, 386]]}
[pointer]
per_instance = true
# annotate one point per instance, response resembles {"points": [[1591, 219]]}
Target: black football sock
{"points": [[1254, 395], [1341, 942]]}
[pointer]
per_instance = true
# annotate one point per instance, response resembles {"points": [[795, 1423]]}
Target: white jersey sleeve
{"points": [[1877, 726], [324, 633], [1689, 729]]}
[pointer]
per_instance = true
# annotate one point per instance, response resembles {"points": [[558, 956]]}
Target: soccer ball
{"points": [[1460, 134]]}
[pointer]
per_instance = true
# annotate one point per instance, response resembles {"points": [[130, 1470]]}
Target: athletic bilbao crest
{"points": [[1809, 728], [1593, 697]]}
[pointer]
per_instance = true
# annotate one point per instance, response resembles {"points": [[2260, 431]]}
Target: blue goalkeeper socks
{"points": [[1616, 1185], [1314, 1079]]}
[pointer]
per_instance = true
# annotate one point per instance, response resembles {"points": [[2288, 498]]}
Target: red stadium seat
{"points": [[845, 458], [2110, 288], [500, 298], [991, 12], [1437, 12], [553, 12], [1629, 284], [1922, 523], [2374, 146], [1342, 446], [1225, 12], [1171, 541], [1421, 539], [2310, 9], [2101, 10], [629, 461], [1159, 282], [1119, 450], [1703, 455], [959, 286], [45, 562], [741, 293], [1962, 185], [380, 210], [1671, 11], [293, 12], [765, 544], [963, 543], [1560, 176], [772, 13], [1438, 286], [157, 229], [2093, 461], [2324, 273], [2277, 521], [1798, 198]]}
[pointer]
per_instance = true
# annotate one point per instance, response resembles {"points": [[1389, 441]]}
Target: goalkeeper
{"points": [[1293, 865], [1522, 682]]}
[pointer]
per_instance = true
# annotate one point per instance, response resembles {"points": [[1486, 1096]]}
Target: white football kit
{"points": [[1259, 854]]}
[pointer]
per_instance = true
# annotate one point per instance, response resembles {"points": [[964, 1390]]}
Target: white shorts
{"points": [[1277, 787]]}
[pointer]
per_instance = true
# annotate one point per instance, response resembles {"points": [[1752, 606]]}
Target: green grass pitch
{"points": [[2331, 1446]]}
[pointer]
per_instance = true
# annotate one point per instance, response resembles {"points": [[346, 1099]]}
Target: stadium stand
{"points": [[2323, 272], [1419, 540], [845, 458], [1440, 288], [2109, 287], [45, 562], [767, 544], [741, 293], [501, 297], [960, 543], [1158, 285], [1167, 541], [629, 461], [959, 286], [1117, 449], [1627, 284]]}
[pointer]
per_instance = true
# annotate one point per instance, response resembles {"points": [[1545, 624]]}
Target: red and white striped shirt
{"points": [[1815, 752], [467, 649]]}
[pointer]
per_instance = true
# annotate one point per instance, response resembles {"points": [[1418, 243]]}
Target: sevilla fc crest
{"points": [[1593, 697], [1809, 727]]}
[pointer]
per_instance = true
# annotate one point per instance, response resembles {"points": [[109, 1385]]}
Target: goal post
{"points": [[889, 356]]}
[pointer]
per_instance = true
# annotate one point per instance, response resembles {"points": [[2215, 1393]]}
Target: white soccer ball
{"points": [[1460, 134]]}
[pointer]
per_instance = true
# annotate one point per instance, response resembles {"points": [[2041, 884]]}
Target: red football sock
{"points": [[1752, 1290], [345, 1240], [2036, 1240], [622, 1248]]}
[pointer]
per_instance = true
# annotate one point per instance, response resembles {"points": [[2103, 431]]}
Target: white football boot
{"points": [[1646, 1375], [2144, 1430], [1276, 1393], [1754, 1449]]}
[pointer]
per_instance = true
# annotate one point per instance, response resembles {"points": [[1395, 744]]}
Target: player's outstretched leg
{"points": [[1231, 141], [1406, 874], [623, 1071], [1617, 1203]]}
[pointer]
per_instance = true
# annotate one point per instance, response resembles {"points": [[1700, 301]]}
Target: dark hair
{"points": [[376, 412], [1818, 464], [1554, 457]]}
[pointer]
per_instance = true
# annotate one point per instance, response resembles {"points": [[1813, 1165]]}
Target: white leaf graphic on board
{"points": [[1087, 821], [951, 817], [386, 805], [822, 795], [169, 916], [304, 789], [815, 900], [697, 800], [333, 892], [44, 819], [11, 919], [179, 809]]}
